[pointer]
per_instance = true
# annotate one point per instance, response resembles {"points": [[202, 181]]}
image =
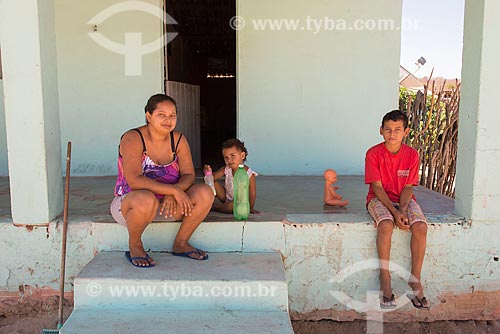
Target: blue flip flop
{"points": [[130, 259], [186, 254]]}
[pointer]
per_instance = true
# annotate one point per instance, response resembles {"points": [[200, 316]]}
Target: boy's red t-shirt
{"points": [[395, 171]]}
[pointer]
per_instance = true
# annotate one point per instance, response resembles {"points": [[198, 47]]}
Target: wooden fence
{"points": [[433, 117]]}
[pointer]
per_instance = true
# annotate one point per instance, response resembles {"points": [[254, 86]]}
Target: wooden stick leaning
{"points": [[64, 234]]}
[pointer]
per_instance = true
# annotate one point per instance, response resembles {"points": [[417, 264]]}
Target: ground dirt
{"points": [[437, 327], [27, 316]]}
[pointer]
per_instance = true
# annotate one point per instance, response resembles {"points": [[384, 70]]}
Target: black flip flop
{"points": [[417, 303]]}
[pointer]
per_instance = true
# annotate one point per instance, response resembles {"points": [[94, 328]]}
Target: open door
{"points": [[188, 114], [203, 55]]}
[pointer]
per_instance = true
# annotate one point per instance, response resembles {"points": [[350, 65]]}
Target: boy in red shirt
{"points": [[391, 170]]}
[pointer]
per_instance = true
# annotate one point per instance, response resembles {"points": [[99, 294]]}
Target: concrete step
{"points": [[154, 321], [226, 281]]}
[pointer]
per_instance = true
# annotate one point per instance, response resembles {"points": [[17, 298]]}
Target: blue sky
{"points": [[438, 36]]}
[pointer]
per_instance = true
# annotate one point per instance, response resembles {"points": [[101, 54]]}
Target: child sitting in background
{"points": [[234, 153]]}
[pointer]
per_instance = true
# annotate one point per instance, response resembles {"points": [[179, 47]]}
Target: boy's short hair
{"points": [[395, 115]]}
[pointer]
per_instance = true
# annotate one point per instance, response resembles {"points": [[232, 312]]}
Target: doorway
{"points": [[204, 54]]}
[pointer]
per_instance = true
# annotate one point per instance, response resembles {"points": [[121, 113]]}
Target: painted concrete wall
{"points": [[98, 102], [4, 170], [461, 271], [306, 100], [479, 127], [313, 99], [29, 64]]}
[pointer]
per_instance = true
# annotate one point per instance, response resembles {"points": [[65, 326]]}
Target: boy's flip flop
{"points": [[417, 303], [136, 258], [186, 254]]}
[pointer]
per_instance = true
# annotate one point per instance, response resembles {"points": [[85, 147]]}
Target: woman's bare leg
{"points": [[202, 197], [139, 209]]}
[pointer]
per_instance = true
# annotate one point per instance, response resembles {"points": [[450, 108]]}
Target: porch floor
{"points": [[278, 198]]}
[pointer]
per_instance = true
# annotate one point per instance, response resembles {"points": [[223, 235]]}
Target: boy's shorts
{"points": [[380, 212]]}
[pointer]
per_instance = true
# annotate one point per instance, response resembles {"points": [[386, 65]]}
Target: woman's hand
{"points": [[183, 202], [168, 205]]}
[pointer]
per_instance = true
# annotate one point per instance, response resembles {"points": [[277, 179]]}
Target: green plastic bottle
{"points": [[241, 184]]}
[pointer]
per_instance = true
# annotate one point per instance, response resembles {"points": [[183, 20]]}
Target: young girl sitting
{"points": [[234, 153]]}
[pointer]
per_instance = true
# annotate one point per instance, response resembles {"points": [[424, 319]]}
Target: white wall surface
{"points": [[4, 170], [98, 102], [478, 176], [306, 101], [460, 270], [309, 101], [31, 103]]}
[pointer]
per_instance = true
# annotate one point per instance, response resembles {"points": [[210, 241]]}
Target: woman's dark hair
{"points": [[395, 115], [158, 98], [235, 142]]}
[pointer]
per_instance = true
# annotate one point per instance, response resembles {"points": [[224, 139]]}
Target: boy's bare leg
{"points": [[417, 246], [384, 235]]}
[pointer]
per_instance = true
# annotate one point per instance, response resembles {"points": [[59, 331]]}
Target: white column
{"points": [[478, 168], [27, 37]]}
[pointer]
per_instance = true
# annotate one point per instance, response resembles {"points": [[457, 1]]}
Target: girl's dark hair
{"points": [[235, 142], [395, 115], [158, 98]]}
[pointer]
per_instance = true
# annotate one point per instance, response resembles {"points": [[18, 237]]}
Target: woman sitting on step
{"points": [[156, 182]]}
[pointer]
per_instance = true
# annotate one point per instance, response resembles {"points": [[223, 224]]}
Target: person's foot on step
{"points": [[385, 284], [137, 250], [185, 247], [418, 292]]}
